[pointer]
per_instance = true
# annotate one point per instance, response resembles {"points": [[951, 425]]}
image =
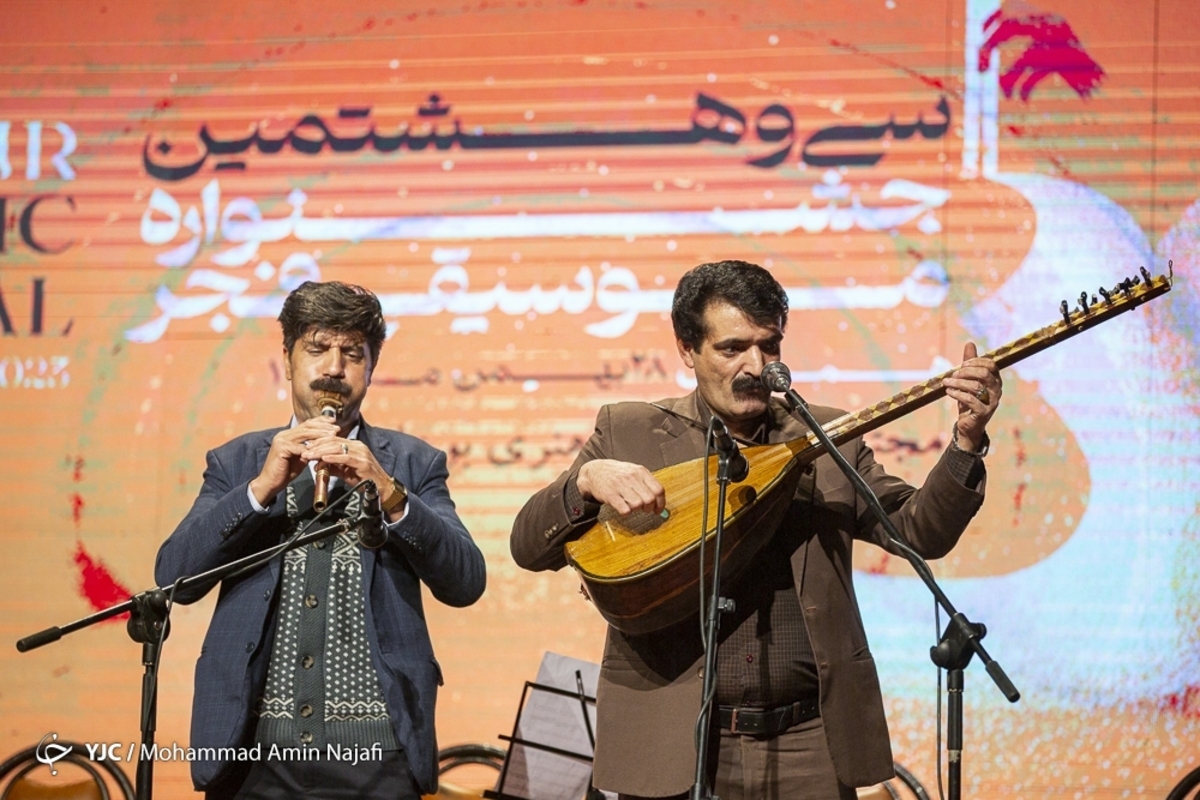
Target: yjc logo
{"points": [[49, 752]]}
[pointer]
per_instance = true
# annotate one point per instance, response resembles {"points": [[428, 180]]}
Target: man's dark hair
{"points": [[336, 307], [748, 287]]}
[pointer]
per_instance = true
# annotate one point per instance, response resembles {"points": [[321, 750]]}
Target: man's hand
{"points": [[624, 486], [285, 459], [977, 387], [349, 460]]}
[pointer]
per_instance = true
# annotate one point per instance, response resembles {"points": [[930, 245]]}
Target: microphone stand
{"points": [[149, 625], [716, 606], [961, 638]]}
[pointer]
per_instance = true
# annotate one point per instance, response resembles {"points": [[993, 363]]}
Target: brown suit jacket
{"points": [[649, 692]]}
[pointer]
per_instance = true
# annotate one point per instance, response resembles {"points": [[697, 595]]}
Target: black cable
{"points": [[701, 737]]}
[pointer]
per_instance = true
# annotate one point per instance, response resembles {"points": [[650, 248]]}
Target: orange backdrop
{"points": [[523, 182]]}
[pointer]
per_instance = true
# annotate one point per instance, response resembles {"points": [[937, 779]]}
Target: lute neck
{"points": [[1126, 296]]}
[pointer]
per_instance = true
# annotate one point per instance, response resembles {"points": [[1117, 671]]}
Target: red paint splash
{"points": [[1018, 499], [1053, 48], [1186, 702], [97, 584], [77, 475], [879, 567], [928, 80], [77, 508], [1060, 164], [1019, 494]]}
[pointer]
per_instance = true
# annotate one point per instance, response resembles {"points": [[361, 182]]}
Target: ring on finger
{"points": [[984, 396], [346, 447]]}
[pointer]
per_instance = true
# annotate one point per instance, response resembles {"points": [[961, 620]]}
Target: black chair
{"points": [[462, 757], [83, 779], [910, 787], [1188, 788]]}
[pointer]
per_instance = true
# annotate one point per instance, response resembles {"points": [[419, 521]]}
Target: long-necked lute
{"points": [[642, 570]]}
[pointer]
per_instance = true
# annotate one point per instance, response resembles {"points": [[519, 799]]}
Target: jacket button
{"points": [[311, 601], [700, 672], [307, 662], [306, 710], [249, 647], [267, 595], [306, 738]]}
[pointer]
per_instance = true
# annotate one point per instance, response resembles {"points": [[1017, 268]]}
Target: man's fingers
{"points": [[620, 506], [649, 497], [638, 498], [324, 447], [624, 486]]}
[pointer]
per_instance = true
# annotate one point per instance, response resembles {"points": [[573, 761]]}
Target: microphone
{"points": [[372, 533], [739, 468], [331, 407], [776, 377]]}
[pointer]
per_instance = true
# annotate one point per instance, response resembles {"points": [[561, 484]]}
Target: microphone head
{"points": [[372, 533], [776, 377]]}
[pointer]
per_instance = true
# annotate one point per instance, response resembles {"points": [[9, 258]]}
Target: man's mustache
{"points": [[331, 385], [747, 384]]}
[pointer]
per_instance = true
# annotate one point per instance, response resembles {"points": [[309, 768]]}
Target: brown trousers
{"points": [[795, 765]]}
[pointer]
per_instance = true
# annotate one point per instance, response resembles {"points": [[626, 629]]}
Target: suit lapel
{"points": [[786, 425], [685, 441], [379, 445], [300, 494]]}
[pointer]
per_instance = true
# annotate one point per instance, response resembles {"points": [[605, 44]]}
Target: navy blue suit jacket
{"points": [[430, 545]]}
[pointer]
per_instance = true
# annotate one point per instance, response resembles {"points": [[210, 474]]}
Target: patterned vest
{"points": [[322, 687]]}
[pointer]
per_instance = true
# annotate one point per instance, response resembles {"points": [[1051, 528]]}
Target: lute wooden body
{"points": [[642, 571]]}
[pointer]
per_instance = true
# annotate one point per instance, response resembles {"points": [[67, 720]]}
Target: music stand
{"points": [[549, 711]]}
